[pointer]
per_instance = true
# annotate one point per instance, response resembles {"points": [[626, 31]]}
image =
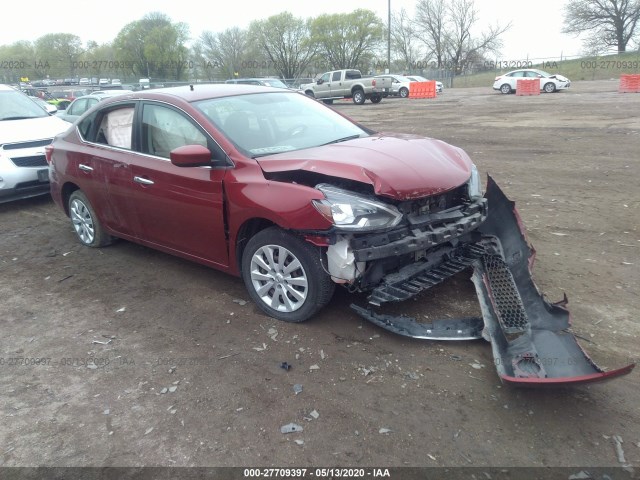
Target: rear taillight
{"points": [[373, 82], [48, 152]]}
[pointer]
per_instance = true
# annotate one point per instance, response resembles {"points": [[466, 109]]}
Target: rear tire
{"points": [[85, 222], [358, 97], [376, 98], [284, 275]]}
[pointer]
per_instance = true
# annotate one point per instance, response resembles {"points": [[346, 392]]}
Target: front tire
{"points": [[85, 222], [284, 275], [358, 97], [549, 87], [506, 89], [404, 92]]}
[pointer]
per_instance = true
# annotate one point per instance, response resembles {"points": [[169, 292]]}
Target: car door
{"points": [[514, 77], [179, 209], [103, 169], [336, 84], [530, 74], [322, 88]]}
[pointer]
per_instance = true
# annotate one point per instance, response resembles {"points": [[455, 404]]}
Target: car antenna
{"points": [[191, 87]]}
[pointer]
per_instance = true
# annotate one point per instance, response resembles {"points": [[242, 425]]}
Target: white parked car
{"points": [[418, 78], [25, 129], [548, 83], [399, 84]]}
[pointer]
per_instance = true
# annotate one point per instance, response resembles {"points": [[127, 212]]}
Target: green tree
{"points": [[98, 61], [55, 54], [154, 47], [285, 43], [18, 58], [609, 23], [347, 40]]}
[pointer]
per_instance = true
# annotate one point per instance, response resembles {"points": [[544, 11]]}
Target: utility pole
{"points": [[389, 39]]}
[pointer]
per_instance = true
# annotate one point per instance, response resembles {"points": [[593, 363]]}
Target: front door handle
{"points": [[143, 181], [85, 168]]}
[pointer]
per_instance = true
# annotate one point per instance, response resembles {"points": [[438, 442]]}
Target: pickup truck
{"points": [[347, 84]]}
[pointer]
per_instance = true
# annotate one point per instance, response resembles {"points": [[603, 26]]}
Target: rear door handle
{"points": [[85, 168], [143, 181]]}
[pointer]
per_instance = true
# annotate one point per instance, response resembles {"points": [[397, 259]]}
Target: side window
{"points": [[325, 78], [335, 77], [85, 126], [116, 126], [164, 129], [78, 107]]}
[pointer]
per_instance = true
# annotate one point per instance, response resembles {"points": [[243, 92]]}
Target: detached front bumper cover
{"points": [[530, 337]]}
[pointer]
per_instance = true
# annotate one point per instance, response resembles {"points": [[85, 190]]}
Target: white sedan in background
{"points": [[548, 83], [418, 78], [399, 84]]}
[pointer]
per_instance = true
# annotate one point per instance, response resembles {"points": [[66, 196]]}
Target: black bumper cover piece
{"points": [[530, 337]]}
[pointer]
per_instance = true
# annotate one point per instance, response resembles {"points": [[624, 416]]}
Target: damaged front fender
{"points": [[530, 337]]}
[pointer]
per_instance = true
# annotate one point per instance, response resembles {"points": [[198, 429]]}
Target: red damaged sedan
{"points": [[282, 190]]}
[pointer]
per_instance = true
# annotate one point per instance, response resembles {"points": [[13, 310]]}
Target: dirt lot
{"points": [[571, 162]]}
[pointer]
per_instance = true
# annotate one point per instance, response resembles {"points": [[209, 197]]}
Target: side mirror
{"points": [[320, 81], [190, 156]]}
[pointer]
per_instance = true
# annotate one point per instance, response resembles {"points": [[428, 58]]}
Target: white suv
{"points": [[25, 129]]}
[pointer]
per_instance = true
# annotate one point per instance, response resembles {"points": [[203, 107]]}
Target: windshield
{"points": [[16, 105], [267, 123]]}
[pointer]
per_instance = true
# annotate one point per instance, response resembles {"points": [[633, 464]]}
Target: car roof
{"points": [[193, 93]]}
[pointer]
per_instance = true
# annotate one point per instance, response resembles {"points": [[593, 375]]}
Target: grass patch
{"points": [[586, 68]]}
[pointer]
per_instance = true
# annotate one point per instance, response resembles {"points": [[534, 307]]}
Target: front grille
{"points": [[30, 161], [507, 302], [33, 144], [32, 184], [435, 203]]}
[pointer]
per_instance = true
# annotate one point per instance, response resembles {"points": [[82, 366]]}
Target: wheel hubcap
{"points": [[82, 221], [278, 278]]}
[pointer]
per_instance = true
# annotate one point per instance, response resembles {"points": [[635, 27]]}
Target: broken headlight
{"points": [[350, 211], [474, 184]]}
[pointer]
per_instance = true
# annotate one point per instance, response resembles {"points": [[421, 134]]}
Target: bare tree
{"points": [[403, 38], [430, 24], [224, 50], [613, 22], [461, 47]]}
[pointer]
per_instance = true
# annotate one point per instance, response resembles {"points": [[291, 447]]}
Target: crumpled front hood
{"points": [[29, 129], [397, 166]]}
